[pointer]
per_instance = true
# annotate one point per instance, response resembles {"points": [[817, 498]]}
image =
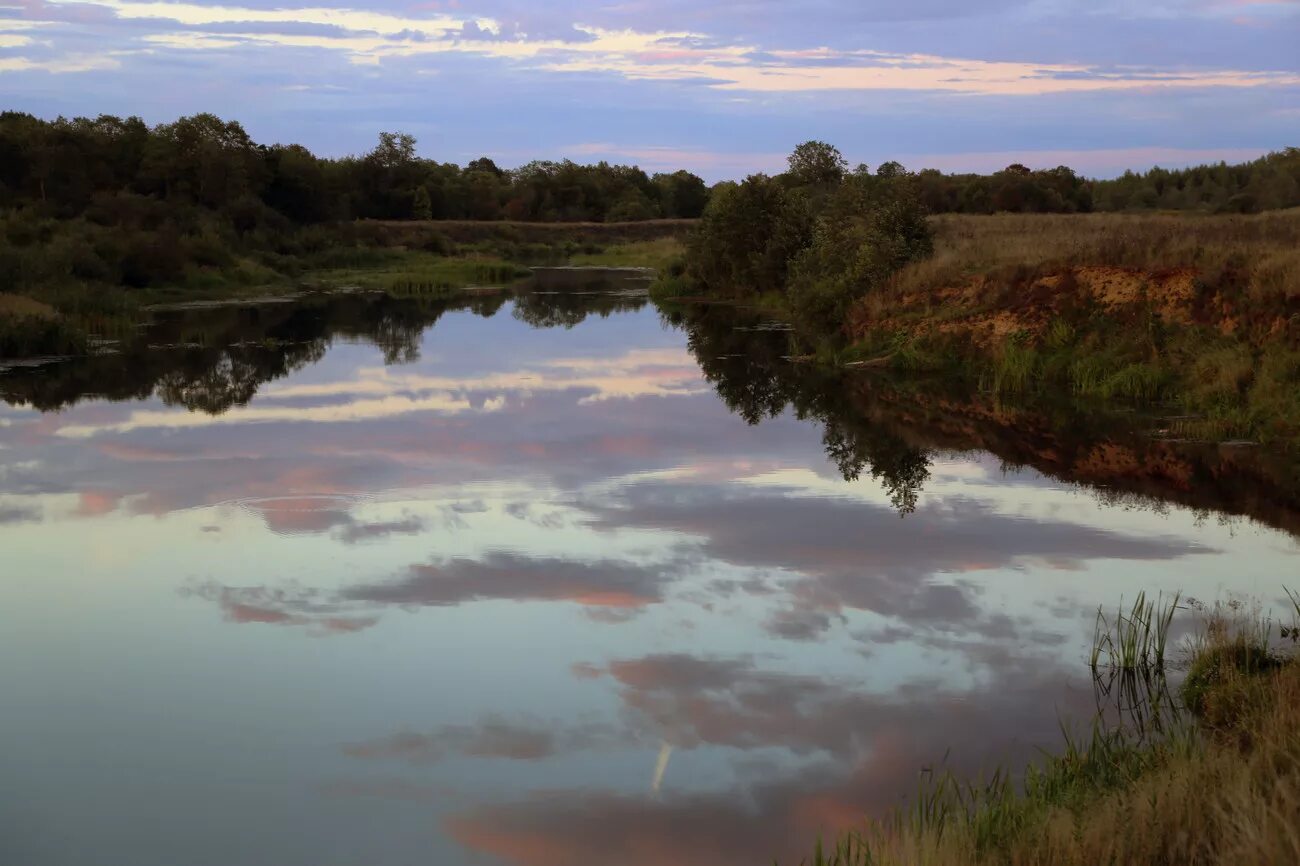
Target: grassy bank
{"points": [[1200, 312], [72, 287], [1208, 773]]}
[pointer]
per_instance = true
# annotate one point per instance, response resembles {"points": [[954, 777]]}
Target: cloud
{"points": [[382, 393], [862, 752], [11, 514], [611, 591], [359, 410], [355, 532], [371, 37], [510, 576], [490, 738], [285, 606], [843, 554]]}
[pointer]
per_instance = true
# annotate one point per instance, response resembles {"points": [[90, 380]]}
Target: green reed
{"points": [[1136, 639], [1294, 631]]}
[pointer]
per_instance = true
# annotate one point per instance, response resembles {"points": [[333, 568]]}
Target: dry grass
{"points": [[1222, 807], [480, 231], [967, 246], [20, 307]]}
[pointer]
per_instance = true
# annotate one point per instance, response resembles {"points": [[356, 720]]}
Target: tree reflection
{"points": [[216, 358], [570, 309], [748, 363], [892, 427]]}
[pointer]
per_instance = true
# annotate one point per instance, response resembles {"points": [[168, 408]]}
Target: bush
{"points": [[152, 259]]}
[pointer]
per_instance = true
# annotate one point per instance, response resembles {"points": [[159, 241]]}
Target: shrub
{"points": [[151, 259]]}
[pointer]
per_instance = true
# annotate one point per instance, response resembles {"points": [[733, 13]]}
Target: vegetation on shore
{"points": [[1200, 312], [1205, 773]]}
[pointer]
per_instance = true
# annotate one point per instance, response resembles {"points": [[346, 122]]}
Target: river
{"points": [[551, 578]]}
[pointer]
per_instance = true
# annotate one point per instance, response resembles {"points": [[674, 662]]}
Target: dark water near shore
{"points": [[550, 579]]}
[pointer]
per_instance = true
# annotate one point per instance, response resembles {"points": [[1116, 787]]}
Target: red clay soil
{"points": [[987, 309]]}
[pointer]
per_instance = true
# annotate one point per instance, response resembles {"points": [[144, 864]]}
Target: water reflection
{"points": [[502, 579]]}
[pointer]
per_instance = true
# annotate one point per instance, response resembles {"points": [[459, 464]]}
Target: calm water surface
{"points": [[506, 582]]}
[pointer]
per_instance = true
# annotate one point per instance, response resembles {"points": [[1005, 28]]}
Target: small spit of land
{"points": [[1206, 771]]}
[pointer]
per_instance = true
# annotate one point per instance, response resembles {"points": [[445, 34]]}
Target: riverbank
{"points": [[1197, 312], [1206, 772]]}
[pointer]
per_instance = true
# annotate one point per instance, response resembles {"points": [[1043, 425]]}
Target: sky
{"points": [[723, 89]]}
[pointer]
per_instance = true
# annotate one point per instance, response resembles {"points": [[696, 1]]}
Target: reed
{"points": [[1136, 639]]}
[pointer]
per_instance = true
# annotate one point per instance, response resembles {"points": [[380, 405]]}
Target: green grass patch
{"points": [[659, 254]]}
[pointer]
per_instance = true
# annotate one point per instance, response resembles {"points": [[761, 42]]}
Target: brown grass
{"points": [[474, 231], [20, 307], [966, 246]]}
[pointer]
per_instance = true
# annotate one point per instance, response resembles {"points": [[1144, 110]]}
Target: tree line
{"points": [[1268, 183], [79, 166], [71, 167], [112, 201]]}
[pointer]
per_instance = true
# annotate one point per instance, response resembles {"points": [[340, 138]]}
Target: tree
{"points": [[393, 150], [631, 207], [870, 228], [816, 163], [421, 206], [682, 195], [891, 169], [483, 163], [748, 236]]}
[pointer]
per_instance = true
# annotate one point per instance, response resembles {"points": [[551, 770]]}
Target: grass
{"points": [[1222, 788], [1003, 244], [659, 254], [1133, 640]]}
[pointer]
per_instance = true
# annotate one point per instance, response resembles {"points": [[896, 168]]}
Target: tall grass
{"points": [[1294, 631], [658, 254], [1136, 639]]}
